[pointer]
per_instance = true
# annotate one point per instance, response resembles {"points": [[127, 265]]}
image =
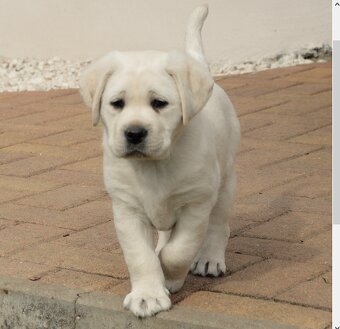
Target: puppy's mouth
{"points": [[135, 154]]}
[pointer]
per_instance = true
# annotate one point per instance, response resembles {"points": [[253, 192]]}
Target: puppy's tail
{"points": [[193, 38]]}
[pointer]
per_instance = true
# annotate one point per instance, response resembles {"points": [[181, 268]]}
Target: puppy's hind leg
{"points": [[163, 238], [210, 260]]}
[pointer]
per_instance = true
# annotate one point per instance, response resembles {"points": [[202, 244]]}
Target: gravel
{"points": [[19, 74]]}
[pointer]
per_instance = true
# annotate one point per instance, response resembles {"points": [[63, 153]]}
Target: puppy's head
{"points": [[144, 99]]}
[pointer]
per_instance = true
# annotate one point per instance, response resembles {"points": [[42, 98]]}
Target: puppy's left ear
{"points": [[193, 81], [92, 83]]}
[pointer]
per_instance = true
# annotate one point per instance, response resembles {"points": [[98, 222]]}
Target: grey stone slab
{"points": [[34, 305]]}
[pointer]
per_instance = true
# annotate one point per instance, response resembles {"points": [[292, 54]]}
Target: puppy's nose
{"points": [[135, 134]]}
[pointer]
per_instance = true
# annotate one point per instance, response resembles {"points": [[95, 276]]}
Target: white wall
{"points": [[235, 30]]}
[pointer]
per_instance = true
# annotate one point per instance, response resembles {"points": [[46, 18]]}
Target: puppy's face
{"points": [[144, 99], [141, 111]]}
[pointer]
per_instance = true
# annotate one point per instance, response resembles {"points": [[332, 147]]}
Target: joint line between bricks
{"points": [[321, 91], [49, 135], [271, 299], [279, 89], [296, 156], [30, 195], [256, 224], [264, 108], [307, 132], [310, 236], [33, 139], [59, 166], [245, 197], [317, 109], [42, 122], [310, 278]]}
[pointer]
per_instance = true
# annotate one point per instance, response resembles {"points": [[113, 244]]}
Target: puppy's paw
{"points": [[144, 304], [208, 267], [174, 285]]}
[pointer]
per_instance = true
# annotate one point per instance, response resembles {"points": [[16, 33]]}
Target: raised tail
{"points": [[193, 38]]}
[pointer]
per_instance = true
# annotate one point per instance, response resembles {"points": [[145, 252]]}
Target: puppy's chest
{"points": [[161, 210]]}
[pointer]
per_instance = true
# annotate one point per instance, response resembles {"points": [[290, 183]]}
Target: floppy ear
{"points": [[92, 83], [193, 81]]}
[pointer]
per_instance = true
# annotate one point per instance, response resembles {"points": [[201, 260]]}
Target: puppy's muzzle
{"points": [[135, 135]]}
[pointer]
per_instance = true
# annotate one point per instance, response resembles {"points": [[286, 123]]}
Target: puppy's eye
{"points": [[158, 104], [118, 104]]}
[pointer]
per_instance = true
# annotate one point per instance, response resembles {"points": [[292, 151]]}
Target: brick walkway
{"points": [[56, 223]]}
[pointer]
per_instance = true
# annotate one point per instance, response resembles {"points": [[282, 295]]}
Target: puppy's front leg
{"points": [[149, 295], [186, 238]]}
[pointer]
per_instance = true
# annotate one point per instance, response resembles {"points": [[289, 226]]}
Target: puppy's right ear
{"points": [[92, 83]]}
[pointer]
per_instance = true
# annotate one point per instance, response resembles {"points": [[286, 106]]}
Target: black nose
{"points": [[135, 134]]}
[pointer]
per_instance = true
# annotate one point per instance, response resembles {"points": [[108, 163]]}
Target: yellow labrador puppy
{"points": [[170, 137]]}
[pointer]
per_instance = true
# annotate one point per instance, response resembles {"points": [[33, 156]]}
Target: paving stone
{"points": [[244, 105], [29, 97], [80, 280], [296, 105], [322, 136], [322, 205], [258, 309], [293, 226], [20, 103], [11, 157], [51, 177], [279, 73], [63, 176], [250, 123], [281, 130], [307, 89], [72, 153], [73, 258], [69, 137], [99, 237], [323, 115], [93, 165], [27, 184], [309, 187], [278, 152], [31, 166], [41, 116], [255, 180], [314, 163], [317, 73], [238, 224], [90, 213], [259, 211], [273, 249], [322, 244], [34, 215], [10, 195], [262, 88], [80, 217], [64, 197], [268, 278], [315, 293], [236, 261], [22, 269], [231, 83], [22, 235], [80, 121], [4, 223], [72, 98]]}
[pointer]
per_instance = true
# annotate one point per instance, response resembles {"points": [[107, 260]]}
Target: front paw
{"points": [[144, 304]]}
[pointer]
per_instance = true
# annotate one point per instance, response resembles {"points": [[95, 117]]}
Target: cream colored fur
{"points": [[182, 179]]}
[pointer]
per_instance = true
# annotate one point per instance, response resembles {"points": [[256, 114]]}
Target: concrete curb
{"points": [[26, 304]]}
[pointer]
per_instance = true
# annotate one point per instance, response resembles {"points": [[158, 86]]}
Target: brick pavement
{"points": [[56, 223]]}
